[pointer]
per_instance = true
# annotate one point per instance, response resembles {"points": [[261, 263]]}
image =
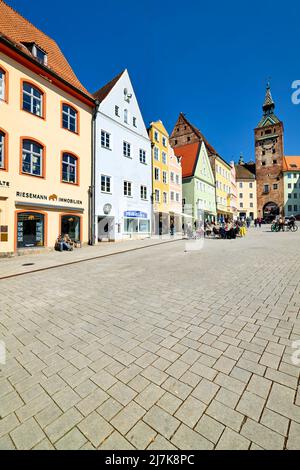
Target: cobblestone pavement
{"points": [[156, 349]]}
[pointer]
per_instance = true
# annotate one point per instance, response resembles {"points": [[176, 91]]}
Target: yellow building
{"points": [[160, 178], [45, 140], [222, 171]]}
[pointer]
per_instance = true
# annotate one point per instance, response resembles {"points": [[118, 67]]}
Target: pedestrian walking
{"points": [[255, 223]]}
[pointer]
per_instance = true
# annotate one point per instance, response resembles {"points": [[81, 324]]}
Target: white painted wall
{"points": [[112, 162]]}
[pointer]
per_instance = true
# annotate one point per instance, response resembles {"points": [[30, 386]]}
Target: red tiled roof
{"points": [[104, 91], [189, 154], [291, 163], [18, 30]]}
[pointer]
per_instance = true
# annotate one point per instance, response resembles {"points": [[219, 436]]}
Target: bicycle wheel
{"points": [[294, 228]]}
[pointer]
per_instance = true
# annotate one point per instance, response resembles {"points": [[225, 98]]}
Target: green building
{"points": [[198, 182]]}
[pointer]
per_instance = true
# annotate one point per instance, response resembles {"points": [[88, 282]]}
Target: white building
{"points": [[123, 177]]}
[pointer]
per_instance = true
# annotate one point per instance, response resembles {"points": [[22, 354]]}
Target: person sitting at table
{"points": [[67, 242]]}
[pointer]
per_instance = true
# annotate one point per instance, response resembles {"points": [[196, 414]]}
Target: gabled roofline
{"points": [[11, 50]]}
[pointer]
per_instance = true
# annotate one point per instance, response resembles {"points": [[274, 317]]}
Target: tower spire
{"points": [[269, 105]]}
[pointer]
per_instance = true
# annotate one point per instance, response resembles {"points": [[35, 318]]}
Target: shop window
{"points": [[70, 225], [30, 229]]}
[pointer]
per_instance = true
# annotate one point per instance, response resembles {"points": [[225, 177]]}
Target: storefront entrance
{"points": [[70, 225], [106, 228], [30, 229], [270, 211]]}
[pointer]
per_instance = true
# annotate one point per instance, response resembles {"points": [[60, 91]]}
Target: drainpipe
{"points": [[93, 177]]}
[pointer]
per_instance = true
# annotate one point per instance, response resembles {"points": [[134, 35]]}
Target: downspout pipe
{"points": [[92, 194]]}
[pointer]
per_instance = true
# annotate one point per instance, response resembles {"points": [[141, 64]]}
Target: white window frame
{"points": [[35, 101], [143, 158], [69, 116], [156, 171], [107, 180], [165, 177], [105, 139], [33, 155], [156, 153], [2, 84], [2, 149], [126, 186], [70, 165], [126, 149], [144, 192], [157, 193], [164, 158], [165, 197]]}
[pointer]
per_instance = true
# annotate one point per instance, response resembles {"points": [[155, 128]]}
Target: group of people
{"points": [[64, 243], [228, 230], [280, 222]]}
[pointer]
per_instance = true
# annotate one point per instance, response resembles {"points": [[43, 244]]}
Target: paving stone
{"points": [[149, 396], [48, 415], [270, 360], [6, 443], [186, 439], [224, 364], [190, 411], [281, 378], [262, 436], [95, 428], [45, 444], [275, 421], [294, 436], [66, 398], [231, 440], [128, 373], [203, 371], [92, 401], [169, 403], [104, 380], [8, 423], [225, 415], [160, 443], [109, 409], [154, 375], [230, 383], [210, 428], [161, 421], [128, 417], [10, 403], [122, 393], [63, 424], [139, 383], [205, 391], [227, 397], [259, 385], [116, 442], [251, 405], [73, 440], [281, 400], [27, 435], [141, 435], [179, 389]]}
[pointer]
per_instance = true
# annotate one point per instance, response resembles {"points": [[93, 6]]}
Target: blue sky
{"points": [[210, 60]]}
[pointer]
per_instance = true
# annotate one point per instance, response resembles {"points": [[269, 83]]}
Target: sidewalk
{"points": [[34, 262]]}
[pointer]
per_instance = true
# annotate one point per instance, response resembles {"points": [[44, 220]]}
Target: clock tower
{"points": [[269, 161]]}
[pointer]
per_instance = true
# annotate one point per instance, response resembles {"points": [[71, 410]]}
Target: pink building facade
{"points": [[175, 197]]}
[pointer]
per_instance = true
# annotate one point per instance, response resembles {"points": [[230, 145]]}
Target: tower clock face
{"points": [[268, 144]]}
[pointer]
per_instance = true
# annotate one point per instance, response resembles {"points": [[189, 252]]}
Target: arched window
{"points": [[3, 150], [3, 85], [69, 168], [69, 118], [32, 157], [33, 99]]}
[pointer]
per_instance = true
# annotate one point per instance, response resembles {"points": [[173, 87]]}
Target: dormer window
{"points": [[37, 52]]}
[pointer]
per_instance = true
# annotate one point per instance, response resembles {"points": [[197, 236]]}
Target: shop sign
{"points": [[51, 198], [4, 184], [133, 214]]}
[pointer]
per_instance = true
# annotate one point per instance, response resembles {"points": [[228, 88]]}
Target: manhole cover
{"points": [[28, 264]]}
